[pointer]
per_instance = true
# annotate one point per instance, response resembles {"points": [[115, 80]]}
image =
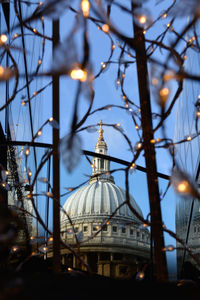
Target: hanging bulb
{"points": [[105, 28], [78, 74], [142, 17], [39, 133], [85, 6], [3, 39]]}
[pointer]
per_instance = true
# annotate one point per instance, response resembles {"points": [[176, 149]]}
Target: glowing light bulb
{"points": [[27, 151], [78, 74], [39, 62], [85, 6], [139, 145], [39, 133], [183, 186], [152, 141], [3, 38], [105, 28], [142, 19], [34, 30], [29, 173], [140, 275], [164, 92], [189, 138], [1, 70], [103, 65], [155, 81], [132, 166], [118, 125]]}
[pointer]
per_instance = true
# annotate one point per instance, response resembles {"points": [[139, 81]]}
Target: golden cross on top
{"points": [[100, 131]]}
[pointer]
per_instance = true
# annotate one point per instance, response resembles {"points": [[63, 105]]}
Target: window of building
{"points": [[131, 231], [104, 256], [123, 270], [95, 227], [104, 228], [123, 230], [114, 228], [101, 163], [75, 229], [85, 228], [138, 234]]}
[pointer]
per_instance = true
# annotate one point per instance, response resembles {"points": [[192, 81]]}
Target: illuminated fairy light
{"points": [[1, 70], [140, 275], [23, 103], [3, 38], [142, 19], [39, 62], [78, 74], [164, 94], [29, 173], [85, 6], [27, 151], [139, 145], [39, 133], [113, 47], [133, 165], [152, 141], [105, 28], [155, 81], [103, 65], [34, 30], [189, 138], [44, 249], [117, 125], [15, 249], [51, 119], [198, 113], [50, 239], [183, 186], [164, 15], [15, 35]]}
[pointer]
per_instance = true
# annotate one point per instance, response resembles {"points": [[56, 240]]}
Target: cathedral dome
{"points": [[99, 199]]}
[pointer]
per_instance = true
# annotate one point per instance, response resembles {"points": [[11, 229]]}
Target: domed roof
{"points": [[100, 198]]}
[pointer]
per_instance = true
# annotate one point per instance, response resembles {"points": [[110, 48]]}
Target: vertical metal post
{"points": [[160, 265], [56, 162]]}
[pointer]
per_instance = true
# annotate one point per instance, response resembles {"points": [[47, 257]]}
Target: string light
{"points": [[78, 74], [140, 275], [39, 133], [27, 151], [164, 94], [103, 65], [85, 6], [105, 28], [189, 138], [139, 145], [3, 38], [183, 186], [133, 165]]}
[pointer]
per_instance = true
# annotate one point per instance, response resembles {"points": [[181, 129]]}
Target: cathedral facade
{"points": [[98, 224]]}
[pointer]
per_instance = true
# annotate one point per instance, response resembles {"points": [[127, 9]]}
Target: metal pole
{"points": [[160, 265], [56, 162]]}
